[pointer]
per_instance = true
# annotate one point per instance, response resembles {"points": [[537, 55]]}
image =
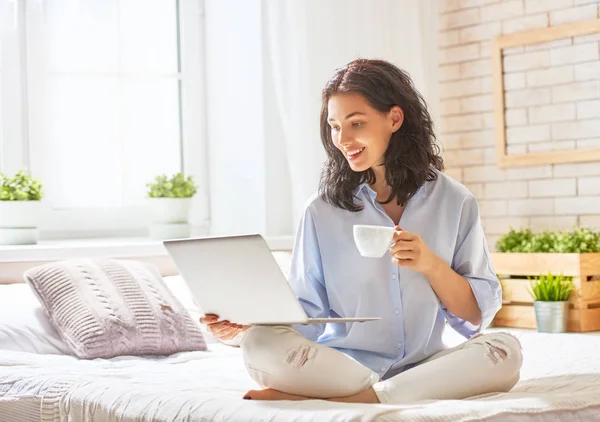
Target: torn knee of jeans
{"points": [[299, 356], [497, 350]]}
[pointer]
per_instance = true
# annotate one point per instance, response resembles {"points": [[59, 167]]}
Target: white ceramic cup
{"points": [[373, 241]]}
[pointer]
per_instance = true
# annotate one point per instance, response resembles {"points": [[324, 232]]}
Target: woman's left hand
{"points": [[410, 251]]}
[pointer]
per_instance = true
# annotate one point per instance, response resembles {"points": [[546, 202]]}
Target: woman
{"points": [[384, 168]]}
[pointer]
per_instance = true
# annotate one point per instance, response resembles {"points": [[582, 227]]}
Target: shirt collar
{"points": [[364, 186]]}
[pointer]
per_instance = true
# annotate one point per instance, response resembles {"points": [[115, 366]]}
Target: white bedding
{"points": [[560, 382]]}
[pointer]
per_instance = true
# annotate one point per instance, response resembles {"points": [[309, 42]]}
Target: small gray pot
{"points": [[551, 317]]}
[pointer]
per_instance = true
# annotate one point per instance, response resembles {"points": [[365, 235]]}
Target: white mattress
{"points": [[560, 382]]}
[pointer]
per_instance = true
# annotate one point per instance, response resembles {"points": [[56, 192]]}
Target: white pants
{"points": [[279, 357]]}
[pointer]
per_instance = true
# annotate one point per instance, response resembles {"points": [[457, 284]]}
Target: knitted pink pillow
{"points": [[107, 308]]}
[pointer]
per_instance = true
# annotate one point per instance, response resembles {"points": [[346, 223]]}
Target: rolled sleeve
{"points": [[306, 277], [472, 261]]}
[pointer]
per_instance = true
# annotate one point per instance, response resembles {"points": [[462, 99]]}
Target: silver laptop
{"points": [[238, 278]]}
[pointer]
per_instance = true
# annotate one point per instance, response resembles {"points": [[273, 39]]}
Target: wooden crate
{"points": [[518, 311]]}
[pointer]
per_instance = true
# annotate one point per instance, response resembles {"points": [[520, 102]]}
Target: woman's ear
{"points": [[397, 117]]}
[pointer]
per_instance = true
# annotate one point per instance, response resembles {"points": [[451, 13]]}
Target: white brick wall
{"points": [[523, 23], [550, 77], [459, 19], [574, 14], [551, 113], [588, 109], [576, 129], [526, 61], [582, 205], [459, 54], [539, 224], [587, 71], [552, 99], [529, 207], [500, 225], [503, 10], [505, 190], [576, 53], [527, 134], [528, 97], [482, 68], [552, 188], [576, 91], [589, 186], [477, 103], [578, 170], [529, 173], [493, 208], [588, 143], [516, 117], [591, 221], [536, 6]]}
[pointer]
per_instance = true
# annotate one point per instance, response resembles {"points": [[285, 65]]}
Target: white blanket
{"points": [[560, 381]]}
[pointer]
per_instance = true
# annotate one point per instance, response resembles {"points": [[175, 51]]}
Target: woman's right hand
{"points": [[223, 330]]}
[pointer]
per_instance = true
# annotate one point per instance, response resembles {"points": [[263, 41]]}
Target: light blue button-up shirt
{"points": [[331, 278]]}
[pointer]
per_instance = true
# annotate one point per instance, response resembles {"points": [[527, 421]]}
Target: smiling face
{"points": [[359, 131]]}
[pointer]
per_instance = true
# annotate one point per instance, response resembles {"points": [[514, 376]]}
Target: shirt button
{"points": [[399, 345], [382, 369], [397, 311], [393, 276]]}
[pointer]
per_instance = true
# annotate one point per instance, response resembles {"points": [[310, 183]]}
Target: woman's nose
{"points": [[344, 139]]}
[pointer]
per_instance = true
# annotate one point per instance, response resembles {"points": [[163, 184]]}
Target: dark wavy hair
{"points": [[412, 154]]}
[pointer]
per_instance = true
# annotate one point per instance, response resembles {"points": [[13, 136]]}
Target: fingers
{"points": [[226, 330], [218, 326], [404, 235], [403, 245], [407, 263], [404, 255], [209, 319]]}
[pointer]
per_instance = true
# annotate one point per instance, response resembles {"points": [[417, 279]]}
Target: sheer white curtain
{"points": [[307, 40]]}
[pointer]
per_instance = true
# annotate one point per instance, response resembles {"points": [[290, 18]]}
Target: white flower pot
{"points": [[169, 210], [19, 221]]}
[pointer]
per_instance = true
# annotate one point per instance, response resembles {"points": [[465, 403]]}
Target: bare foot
{"points": [[367, 396], [270, 394]]}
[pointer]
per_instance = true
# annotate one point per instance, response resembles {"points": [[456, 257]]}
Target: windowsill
{"points": [[116, 247]]}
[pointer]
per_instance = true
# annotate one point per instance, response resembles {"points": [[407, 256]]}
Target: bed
{"points": [[560, 382]]}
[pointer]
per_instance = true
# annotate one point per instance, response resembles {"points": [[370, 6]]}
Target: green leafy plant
{"points": [[177, 186], [551, 288], [514, 240], [21, 187], [579, 240]]}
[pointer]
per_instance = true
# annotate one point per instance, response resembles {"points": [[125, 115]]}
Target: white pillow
{"points": [[24, 325], [182, 292]]}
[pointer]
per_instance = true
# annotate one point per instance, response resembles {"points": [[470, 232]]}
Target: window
{"points": [[11, 96], [105, 98]]}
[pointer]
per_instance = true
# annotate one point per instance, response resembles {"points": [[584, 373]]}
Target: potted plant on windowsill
{"points": [[20, 202], [170, 201], [551, 302]]}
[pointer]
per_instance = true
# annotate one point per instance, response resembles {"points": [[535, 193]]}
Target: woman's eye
{"points": [[357, 124], [335, 128]]}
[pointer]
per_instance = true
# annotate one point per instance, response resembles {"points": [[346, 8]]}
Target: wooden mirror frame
{"points": [[535, 36]]}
